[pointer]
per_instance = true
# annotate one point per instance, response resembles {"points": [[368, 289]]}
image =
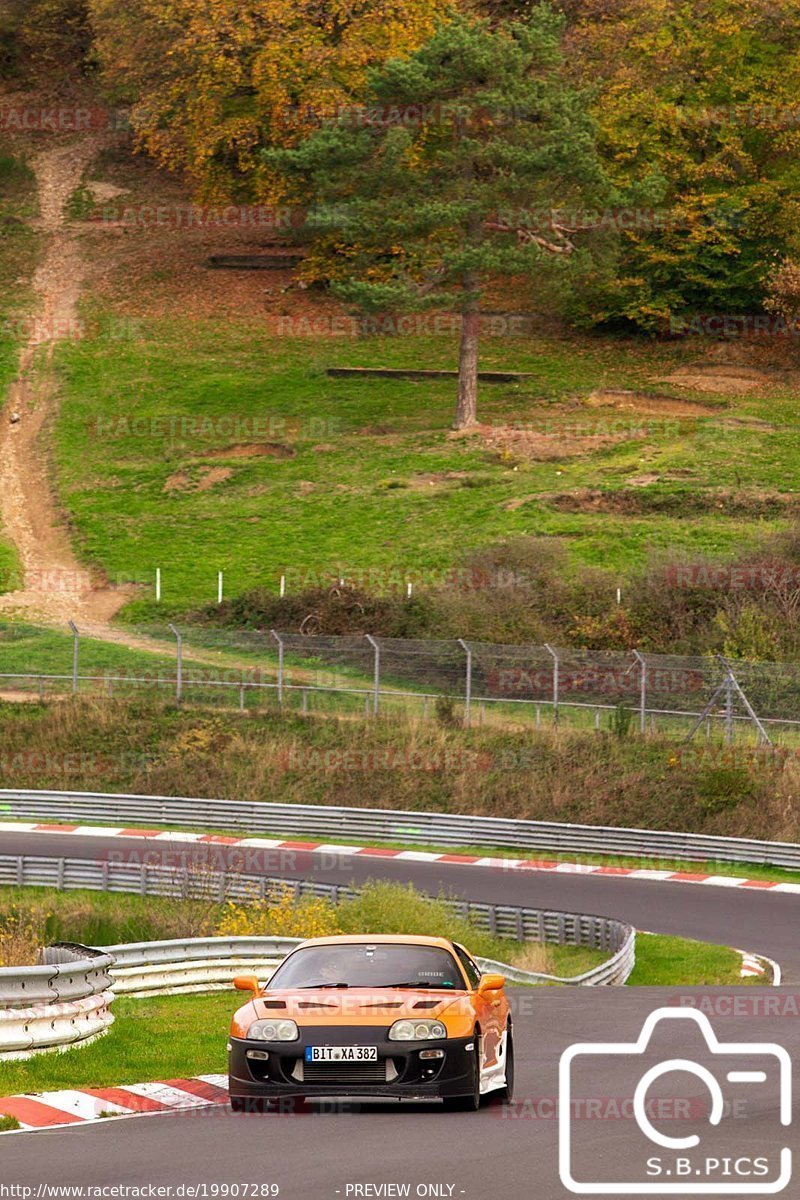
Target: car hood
{"points": [[356, 1006]]}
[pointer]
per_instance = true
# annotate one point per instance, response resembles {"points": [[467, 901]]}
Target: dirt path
{"points": [[56, 587]]}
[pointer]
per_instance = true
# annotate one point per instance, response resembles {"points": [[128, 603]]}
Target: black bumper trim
{"points": [[454, 1075]]}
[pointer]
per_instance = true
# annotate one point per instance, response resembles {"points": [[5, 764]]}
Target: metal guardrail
{"points": [[614, 937], [64, 1001], [195, 965], [210, 964], [391, 825]]}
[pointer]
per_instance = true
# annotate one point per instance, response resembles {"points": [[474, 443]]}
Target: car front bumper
{"points": [[399, 1071]]}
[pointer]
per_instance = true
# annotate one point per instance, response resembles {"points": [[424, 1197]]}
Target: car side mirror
{"points": [[247, 983], [492, 983]]}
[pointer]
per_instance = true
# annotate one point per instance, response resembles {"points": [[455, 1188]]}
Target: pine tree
{"points": [[472, 159]]}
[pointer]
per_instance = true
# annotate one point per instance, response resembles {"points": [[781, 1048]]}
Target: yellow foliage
{"points": [[282, 915], [212, 81]]}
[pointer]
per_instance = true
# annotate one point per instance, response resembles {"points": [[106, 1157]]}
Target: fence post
{"points": [[642, 691], [279, 640], [179, 676], [377, 694], [76, 640], [467, 682], [552, 652], [728, 708]]}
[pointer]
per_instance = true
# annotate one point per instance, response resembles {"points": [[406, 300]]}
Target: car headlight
{"points": [[416, 1031], [273, 1031]]}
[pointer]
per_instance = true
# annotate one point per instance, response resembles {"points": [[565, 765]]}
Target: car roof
{"points": [[371, 939]]}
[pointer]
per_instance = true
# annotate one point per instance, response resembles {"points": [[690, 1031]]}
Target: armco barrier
{"points": [[195, 965], [210, 964], [365, 824], [64, 1001], [615, 938]]}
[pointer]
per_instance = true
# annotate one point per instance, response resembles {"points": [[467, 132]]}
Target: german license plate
{"points": [[341, 1054]]}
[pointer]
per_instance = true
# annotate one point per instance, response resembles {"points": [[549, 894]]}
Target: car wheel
{"points": [[472, 1101], [238, 1104]]}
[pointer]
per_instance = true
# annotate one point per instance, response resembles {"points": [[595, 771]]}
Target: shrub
{"points": [[19, 937], [55, 36], [621, 721], [282, 915], [724, 787], [445, 709], [383, 907]]}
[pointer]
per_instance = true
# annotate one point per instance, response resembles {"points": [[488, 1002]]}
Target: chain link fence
{"points": [[454, 681]]}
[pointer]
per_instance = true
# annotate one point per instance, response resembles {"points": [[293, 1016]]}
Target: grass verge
{"points": [[137, 1048], [663, 961], [143, 747]]}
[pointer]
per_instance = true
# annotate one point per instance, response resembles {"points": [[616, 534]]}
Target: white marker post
{"points": [[158, 585], [219, 587]]}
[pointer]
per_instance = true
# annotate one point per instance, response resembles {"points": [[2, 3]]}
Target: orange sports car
{"points": [[397, 1016]]}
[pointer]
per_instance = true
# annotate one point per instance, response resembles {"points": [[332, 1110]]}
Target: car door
{"points": [[490, 1010]]}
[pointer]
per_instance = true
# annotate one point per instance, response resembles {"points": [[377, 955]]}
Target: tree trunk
{"points": [[467, 405]]}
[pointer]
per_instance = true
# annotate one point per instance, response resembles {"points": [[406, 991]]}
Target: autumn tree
{"points": [[469, 162], [211, 81], [783, 291], [696, 103]]}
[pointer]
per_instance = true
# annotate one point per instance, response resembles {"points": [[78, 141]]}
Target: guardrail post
{"points": [[279, 640], [377, 692], [467, 682], [642, 691], [76, 641], [179, 677], [554, 656]]}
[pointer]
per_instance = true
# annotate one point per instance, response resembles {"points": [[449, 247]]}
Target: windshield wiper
{"points": [[319, 986]]}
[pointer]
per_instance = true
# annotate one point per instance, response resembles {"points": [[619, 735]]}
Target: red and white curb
{"points": [[55, 1110], [752, 965], [498, 864]]}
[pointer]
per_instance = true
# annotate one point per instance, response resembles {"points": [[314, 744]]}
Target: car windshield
{"points": [[374, 965]]}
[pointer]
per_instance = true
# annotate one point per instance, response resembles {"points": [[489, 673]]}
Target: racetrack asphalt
{"points": [[321, 1154], [353, 1152]]}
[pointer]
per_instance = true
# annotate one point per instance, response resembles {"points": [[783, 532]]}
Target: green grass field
{"points": [[18, 244], [149, 471]]}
